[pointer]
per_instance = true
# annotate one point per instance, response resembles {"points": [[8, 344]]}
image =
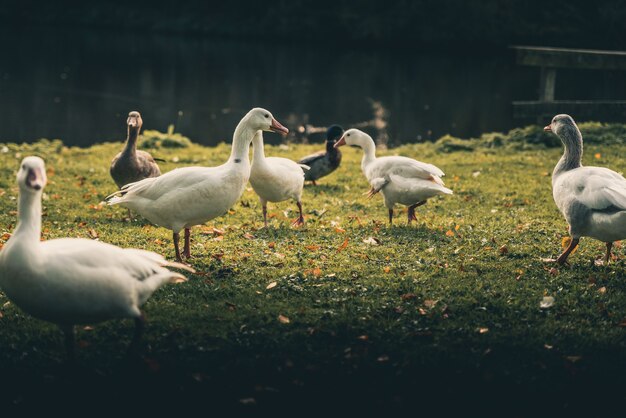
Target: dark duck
{"points": [[132, 165], [324, 162]]}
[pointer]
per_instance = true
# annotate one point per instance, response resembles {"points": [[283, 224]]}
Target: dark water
{"points": [[80, 85]]}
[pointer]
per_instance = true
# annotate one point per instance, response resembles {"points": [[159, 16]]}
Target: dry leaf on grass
{"points": [[271, 285], [372, 241], [283, 319]]}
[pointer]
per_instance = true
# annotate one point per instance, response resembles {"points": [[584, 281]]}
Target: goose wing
{"points": [[600, 188]]}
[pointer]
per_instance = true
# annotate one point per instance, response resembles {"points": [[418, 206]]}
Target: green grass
{"points": [[452, 301]]}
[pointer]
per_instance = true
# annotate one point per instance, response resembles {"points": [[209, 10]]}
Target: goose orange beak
{"points": [[342, 141], [35, 179], [278, 128], [547, 128]]}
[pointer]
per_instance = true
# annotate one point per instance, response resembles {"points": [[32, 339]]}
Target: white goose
{"points": [[74, 281], [400, 179], [276, 179], [194, 195], [592, 199]]}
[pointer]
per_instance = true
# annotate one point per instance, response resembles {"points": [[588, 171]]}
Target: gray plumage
{"points": [[132, 165], [592, 199], [323, 163]]}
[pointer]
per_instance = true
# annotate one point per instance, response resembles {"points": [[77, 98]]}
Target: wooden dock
{"points": [[549, 60]]}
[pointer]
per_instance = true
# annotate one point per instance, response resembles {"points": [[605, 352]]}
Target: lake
{"points": [[79, 85]]}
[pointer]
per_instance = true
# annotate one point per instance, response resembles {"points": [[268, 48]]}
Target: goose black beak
{"points": [[35, 179], [278, 128]]}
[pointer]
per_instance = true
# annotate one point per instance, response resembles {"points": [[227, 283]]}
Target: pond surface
{"points": [[79, 86]]}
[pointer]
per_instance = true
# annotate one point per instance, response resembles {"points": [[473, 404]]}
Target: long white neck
{"points": [[241, 144], [29, 217], [369, 153], [258, 151]]}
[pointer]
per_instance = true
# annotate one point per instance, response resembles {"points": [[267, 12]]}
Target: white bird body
{"points": [[187, 196], [593, 202], [192, 196], [74, 281], [78, 281], [592, 199], [275, 179], [401, 180]]}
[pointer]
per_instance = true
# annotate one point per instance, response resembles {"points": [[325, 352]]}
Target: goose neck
{"points": [[369, 153], [29, 217], [573, 153], [241, 143], [258, 151], [131, 142]]}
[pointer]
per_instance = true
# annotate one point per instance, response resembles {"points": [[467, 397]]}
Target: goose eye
{"points": [[348, 135], [267, 116]]}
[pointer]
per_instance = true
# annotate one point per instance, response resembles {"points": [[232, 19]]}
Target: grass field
{"points": [[346, 310]]}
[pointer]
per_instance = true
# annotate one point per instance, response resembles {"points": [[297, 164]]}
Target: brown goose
{"points": [[132, 165]]}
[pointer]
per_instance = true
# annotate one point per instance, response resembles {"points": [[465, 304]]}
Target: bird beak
{"points": [[35, 179], [278, 128], [341, 142], [547, 128], [132, 122]]}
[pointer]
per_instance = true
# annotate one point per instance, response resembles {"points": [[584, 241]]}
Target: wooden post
{"points": [[547, 84]]}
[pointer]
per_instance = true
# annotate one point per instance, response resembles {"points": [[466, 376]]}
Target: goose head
{"points": [[134, 121], [355, 138], [565, 128], [31, 177], [333, 134], [260, 119]]}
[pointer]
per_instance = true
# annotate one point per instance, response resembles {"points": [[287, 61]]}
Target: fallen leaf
{"points": [[271, 285], [597, 155], [574, 359], [93, 234], [483, 330], [283, 319], [339, 230], [449, 233], [280, 255], [602, 290], [429, 303], [554, 271], [312, 247], [362, 337], [271, 245], [248, 236], [408, 296], [622, 324], [344, 245], [546, 302], [387, 269], [503, 250], [317, 272]]}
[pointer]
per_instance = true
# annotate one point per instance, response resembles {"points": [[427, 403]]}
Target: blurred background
{"points": [[407, 71]]}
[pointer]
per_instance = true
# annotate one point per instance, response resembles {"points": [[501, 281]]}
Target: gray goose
{"points": [[132, 165], [592, 199]]}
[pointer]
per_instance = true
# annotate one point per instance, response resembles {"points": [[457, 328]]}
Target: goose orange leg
{"points": [[609, 246], [411, 211], [562, 259], [187, 249], [300, 219], [176, 239]]}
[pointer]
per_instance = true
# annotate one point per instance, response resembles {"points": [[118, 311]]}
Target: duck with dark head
{"points": [[324, 162]]}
